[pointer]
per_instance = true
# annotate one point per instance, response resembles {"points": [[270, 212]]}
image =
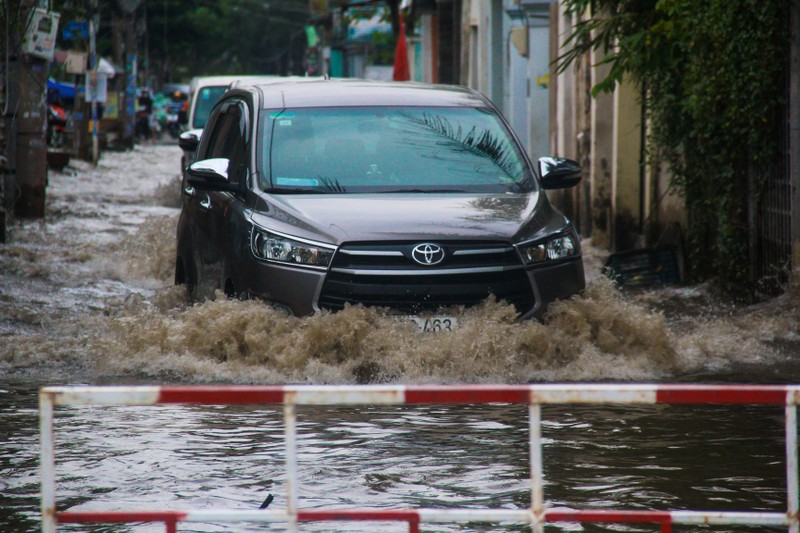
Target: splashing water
{"points": [[89, 293]]}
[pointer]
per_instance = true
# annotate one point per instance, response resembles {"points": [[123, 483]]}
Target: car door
{"points": [[228, 139]]}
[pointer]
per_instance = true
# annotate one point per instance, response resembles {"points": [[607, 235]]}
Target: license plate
{"points": [[435, 324]]}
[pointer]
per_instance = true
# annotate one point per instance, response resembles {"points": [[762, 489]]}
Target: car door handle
{"points": [[190, 191], [205, 203]]}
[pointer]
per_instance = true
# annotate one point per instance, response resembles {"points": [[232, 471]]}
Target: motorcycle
{"points": [[173, 125]]}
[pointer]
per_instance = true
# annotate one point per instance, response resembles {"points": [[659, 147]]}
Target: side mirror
{"points": [[558, 173], [189, 140], [211, 174]]}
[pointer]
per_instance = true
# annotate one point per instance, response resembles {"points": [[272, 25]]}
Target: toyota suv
{"points": [[411, 197]]}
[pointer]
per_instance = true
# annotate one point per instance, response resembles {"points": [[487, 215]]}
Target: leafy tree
{"points": [[185, 38], [714, 78], [204, 37]]}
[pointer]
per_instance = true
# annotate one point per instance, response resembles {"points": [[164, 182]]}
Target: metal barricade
{"points": [[532, 395]]}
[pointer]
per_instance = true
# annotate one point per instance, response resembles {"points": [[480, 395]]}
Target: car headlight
{"points": [[558, 247], [270, 246]]}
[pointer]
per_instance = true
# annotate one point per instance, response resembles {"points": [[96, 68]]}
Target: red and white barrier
{"points": [[532, 395]]}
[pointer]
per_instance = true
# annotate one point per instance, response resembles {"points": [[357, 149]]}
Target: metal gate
{"points": [[534, 396], [771, 192]]}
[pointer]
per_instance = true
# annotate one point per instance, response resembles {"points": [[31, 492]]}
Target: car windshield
{"points": [[206, 98], [389, 149]]}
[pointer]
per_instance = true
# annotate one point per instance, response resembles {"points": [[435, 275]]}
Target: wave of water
{"points": [[86, 296], [599, 335], [89, 293]]}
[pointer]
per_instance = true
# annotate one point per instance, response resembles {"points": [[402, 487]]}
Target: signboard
{"points": [[75, 62], [111, 107], [75, 30], [96, 87], [40, 37]]}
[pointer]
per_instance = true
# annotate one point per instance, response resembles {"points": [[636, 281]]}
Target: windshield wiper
{"points": [[288, 190], [421, 190]]}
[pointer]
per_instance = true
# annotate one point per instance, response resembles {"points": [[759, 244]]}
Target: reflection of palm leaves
{"points": [[330, 184], [482, 143]]}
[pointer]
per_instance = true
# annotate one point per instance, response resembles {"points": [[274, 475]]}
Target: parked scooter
{"points": [[56, 125]]}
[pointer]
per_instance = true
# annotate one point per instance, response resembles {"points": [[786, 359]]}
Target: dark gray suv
{"points": [[406, 196]]}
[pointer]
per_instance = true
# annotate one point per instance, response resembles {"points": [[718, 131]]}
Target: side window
{"points": [[229, 139], [213, 131], [238, 146], [221, 137]]}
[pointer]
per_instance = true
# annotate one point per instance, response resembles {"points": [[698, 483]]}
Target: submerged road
{"points": [[86, 296]]}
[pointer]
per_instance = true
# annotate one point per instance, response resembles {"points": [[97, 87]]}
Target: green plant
{"points": [[714, 78]]}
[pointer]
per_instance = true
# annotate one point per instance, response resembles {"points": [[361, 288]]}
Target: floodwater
{"points": [[86, 297]]}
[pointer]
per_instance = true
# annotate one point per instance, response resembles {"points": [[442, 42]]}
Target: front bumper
{"points": [[305, 292]]}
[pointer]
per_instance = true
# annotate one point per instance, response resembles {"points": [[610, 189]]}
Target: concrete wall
{"points": [[627, 169], [604, 134], [506, 56], [508, 52]]}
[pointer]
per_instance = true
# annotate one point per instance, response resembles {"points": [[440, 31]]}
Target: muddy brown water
{"points": [[86, 297]]}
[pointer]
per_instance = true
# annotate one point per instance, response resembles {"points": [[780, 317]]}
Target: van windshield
{"points": [[389, 149], [204, 102]]}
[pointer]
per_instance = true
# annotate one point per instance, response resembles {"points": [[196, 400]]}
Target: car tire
{"points": [[229, 289], [186, 274]]}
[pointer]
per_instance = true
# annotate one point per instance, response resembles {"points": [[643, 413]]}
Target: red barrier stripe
{"points": [[722, 394], [444, 394], [221, 395], [118, 517], [651, 517], [355, 515], [473, 394]]}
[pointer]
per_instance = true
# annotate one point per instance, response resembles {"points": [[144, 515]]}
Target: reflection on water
{"points": [[86, 297], [204, 457]]}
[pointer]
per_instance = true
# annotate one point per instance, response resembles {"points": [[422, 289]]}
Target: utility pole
{"points": [[124, 23], [94, 81], [27, 99], [129, 83]]}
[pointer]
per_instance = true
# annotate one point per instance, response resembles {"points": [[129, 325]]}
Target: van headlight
{"points": [[270, 246], [562, 246]]}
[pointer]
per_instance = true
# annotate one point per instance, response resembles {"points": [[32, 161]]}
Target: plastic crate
{"points": [[644, 268]]}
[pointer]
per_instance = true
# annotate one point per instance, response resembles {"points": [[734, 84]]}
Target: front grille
{"points": [[385, 275]]}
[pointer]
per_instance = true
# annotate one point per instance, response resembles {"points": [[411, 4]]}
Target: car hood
{"points": [[340, 218]]}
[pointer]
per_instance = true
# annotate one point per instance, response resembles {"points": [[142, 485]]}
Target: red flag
{"points": [[401, 69]]}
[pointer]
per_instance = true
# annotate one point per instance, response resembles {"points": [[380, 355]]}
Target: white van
{"points": [[204, 92]]}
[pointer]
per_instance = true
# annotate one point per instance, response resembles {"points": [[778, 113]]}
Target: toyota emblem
{"points": [[428, 254]]}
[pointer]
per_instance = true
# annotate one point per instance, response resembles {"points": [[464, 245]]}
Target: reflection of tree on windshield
{"points": [[330, 184], [481, 143]]}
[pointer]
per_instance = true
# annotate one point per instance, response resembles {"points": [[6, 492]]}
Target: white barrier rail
{"points": [[532, 395]]}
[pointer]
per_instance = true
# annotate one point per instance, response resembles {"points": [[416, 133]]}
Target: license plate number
{"points": [[435, 324]]}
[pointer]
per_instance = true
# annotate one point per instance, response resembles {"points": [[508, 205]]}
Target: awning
{"points": [[66, 91]]}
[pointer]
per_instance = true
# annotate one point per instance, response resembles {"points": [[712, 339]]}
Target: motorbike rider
{"points": [[145, 102], [177, 113]]}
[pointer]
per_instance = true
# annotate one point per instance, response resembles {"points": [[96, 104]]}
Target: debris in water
{"points": [[268, 501]]}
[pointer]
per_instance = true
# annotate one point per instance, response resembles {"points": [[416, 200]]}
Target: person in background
{"points": [[143, 129]]}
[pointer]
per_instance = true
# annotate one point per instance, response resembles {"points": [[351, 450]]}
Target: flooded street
{"points": [[86, 297]]}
